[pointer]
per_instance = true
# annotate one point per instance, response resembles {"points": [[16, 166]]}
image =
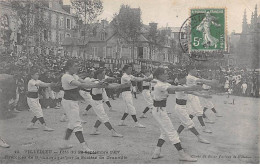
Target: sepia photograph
{"points": [[129, 81]]}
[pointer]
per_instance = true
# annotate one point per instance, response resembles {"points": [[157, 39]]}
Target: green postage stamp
{"points": [[208, 29]]}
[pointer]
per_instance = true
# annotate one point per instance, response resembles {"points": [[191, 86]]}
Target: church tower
{"points": [[244, 24]]}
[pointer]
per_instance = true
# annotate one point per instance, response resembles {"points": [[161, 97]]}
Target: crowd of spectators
{"points": [[235, 81]]}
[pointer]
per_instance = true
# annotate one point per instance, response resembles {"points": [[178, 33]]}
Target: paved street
{"points": [[234, 139]]}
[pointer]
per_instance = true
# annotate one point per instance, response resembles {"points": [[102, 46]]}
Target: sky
{"points": [[174, 12]]}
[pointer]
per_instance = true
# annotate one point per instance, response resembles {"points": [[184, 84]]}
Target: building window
{"points": [[126, 52], [172, 35], [53, 35], [68, 35], [68, 24], [95, 51], [45, 35], [54, 20], [61, 37], [109, 51], [103, 35], [61, 22], [183, 35]]}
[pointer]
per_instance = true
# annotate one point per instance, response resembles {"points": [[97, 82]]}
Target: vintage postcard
{"points": [[129, 81]]}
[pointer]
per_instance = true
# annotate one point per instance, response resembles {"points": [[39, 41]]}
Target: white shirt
{"points": [[66, 80], [160, 91], [89, 80], [32, 85], [126, 78], [244, 86], [191, 80], [96, 91], [154, 82], [204, 86], [181, 94], [145, 83]]}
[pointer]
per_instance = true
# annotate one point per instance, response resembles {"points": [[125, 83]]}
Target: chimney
{"points": [[104, 23]]}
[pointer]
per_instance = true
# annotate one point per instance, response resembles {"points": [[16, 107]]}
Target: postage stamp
{"points": [[208, 29]]}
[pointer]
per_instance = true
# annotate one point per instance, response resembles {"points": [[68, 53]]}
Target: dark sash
{"points": [[33, 95], [161, 103], [181, 101], [126, 89], [145, 87], [72, 94]]}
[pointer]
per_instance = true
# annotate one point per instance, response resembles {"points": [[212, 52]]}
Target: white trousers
{"points": [[165, 125], [99, 110], [206, 103], [194, 106], [147, 97], [86, 96], [182, 114], [104, 96], [72, 111], [129, 105], [35, 107]]}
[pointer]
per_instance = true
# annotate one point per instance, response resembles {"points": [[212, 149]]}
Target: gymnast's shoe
{"points": [[207, 120], [65, 146], [115, 134], [218, 115], [206, 130], [83, 121], [95, 132], [202, 140], [157, 153], [63, 118], [3, 144], [122, 123], [46, 128], [143, 116], [86, 149], [138, 125], [31, 127], [186, 157]]}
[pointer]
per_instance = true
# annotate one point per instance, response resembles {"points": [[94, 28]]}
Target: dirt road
{"points": [[235, 137]]}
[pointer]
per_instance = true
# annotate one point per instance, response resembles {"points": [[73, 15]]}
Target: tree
{"points": [[87, 11], [152, 37], [30, 13], [127, 24]]}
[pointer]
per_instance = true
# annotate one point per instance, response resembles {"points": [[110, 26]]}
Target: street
{"points": [[235, 137]]}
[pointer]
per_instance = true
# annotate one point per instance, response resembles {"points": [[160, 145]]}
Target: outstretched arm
{"points": [[213, 82], [88, 85], [118, 86], [171, 89], [199, 94], [139, 79], [43, 84]]}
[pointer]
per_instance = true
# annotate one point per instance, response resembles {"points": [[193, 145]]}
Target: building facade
{"points": [[103, 45], [247, 48]]}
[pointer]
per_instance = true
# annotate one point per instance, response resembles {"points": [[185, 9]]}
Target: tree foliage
{"points": [[87, 10], [127, 23], [30, 12]]}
